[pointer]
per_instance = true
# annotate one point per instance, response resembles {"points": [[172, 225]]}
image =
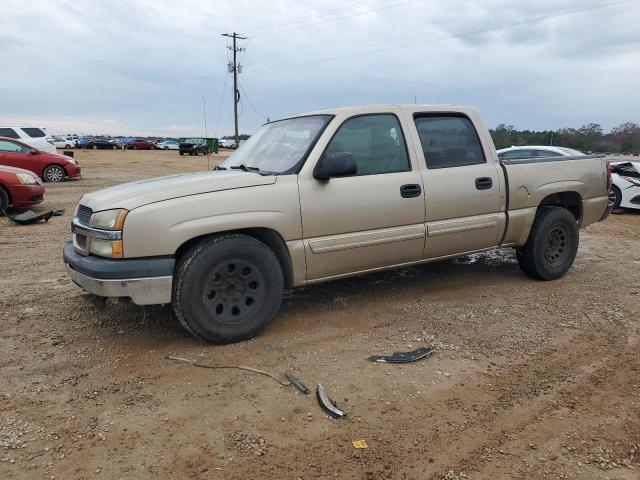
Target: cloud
{"points": [[143, 66]]}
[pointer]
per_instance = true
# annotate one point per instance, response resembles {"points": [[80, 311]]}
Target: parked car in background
{"points": [[227, 143], [193, 146], [168, 145], [625, 192], [100, 144], [50, 167], [140, 144], [537, 151], [117, 142], [62, 142], [33, 136], [19, 188]]}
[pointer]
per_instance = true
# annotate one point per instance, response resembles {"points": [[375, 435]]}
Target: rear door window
{"points": [[547, 153], [449, 141], [34, 132], [9, 133]]}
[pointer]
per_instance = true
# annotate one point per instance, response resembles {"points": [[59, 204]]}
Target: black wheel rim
{"points": [[233, 291], [556, 248]]}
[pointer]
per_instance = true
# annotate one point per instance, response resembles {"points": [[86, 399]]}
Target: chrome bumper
{"points": [[142, 291]]}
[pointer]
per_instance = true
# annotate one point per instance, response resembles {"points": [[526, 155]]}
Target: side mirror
{"points": [[34, 152], [339, 164]]}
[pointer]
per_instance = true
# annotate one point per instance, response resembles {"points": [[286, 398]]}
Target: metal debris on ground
{"points": [[302, 388], [359, 444], [240, 367], [327, 404], [403, 357]]}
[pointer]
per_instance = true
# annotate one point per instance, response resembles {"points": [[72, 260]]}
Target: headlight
{"points": [[109, 219], [27, 179], [71, 160], [106, 248]]}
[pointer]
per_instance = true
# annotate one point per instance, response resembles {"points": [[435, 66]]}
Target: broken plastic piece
{"points": [[29, 217], [359, 444], [302, 388], [327, 404], [58, 213], [403, 357]]}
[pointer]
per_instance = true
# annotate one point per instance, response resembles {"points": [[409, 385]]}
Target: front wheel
{"points": [[4, 201], [227, 288], [552, 244], [53, 173], [615, 197]]}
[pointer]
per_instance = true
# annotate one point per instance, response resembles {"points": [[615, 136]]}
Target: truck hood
{"points": [[136, 194]]}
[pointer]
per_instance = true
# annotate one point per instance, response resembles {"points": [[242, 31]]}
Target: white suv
{"points": [[33, 136]]}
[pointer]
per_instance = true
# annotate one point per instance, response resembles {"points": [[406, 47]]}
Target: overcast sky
{"points": [[143, 66]]}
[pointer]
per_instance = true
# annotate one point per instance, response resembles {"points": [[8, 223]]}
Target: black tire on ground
{"points": [[114, 147], [67, 146], [166, 148], [227, 288], [181, 153], [54, 173], [552, 244], [4, 201], [615, 197]]}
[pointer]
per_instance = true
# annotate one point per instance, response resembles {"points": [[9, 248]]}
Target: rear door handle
{"points": [[484, 183], [410, 190]]}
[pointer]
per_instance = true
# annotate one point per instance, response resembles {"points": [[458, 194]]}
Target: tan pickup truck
{"points": [[325, 195]]}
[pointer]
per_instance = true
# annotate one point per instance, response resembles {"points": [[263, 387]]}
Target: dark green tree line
{"points": [[624, 138]]}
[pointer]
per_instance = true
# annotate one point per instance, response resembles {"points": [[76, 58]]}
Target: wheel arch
{"points": [[569, 200], [268, 236]]}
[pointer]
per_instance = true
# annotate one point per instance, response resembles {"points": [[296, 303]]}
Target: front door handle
{"points": [[484, 183], [411, 190]]}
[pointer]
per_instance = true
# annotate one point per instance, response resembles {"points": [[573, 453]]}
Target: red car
{"points": [[139, 144], [51, 167], [19, 188]]}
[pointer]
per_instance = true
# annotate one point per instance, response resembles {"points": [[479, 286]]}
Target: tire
{"points": [[114, 147], [166, 148], [227, 288], [552, 244], [54, 173], [67, 146], [134, 148], [4, 201], [181, 154], [615, 197]]}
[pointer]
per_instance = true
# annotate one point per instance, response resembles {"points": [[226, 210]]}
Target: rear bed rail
{"points": [[518, 161]]}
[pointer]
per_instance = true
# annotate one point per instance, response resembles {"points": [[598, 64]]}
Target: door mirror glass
{"points": [[34, 152], [338, 164]]}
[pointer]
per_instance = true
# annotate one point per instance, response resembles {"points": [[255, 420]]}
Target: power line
{"points": [[253, 107], [314, 16], [296, 27], [447, 37]]}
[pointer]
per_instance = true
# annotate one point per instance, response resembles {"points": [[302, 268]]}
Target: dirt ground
{"points": [[530, 380]]}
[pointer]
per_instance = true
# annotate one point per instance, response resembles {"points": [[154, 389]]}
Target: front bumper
{"points": [[146, 281], [27, 195]]}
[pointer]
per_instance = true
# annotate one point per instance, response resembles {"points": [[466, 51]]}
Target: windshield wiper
{"points": [[244, 168], [218, 167]]}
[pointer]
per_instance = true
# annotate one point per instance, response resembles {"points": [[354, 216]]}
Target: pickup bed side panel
{"points": [[531, 183], [161, 228]]}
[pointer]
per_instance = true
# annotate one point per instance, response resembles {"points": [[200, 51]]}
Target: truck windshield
{"points": [[278, 147]]}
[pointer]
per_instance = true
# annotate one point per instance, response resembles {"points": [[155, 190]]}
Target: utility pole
{"points": [[235, 68]]}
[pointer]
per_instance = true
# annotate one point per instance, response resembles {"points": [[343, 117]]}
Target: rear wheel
{"points": [[227, 288], [95, 147], [552, 244], [54, 173], [4, 201]]}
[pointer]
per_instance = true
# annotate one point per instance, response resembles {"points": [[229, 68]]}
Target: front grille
{"points": [[84, 215], [81, 240]]}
